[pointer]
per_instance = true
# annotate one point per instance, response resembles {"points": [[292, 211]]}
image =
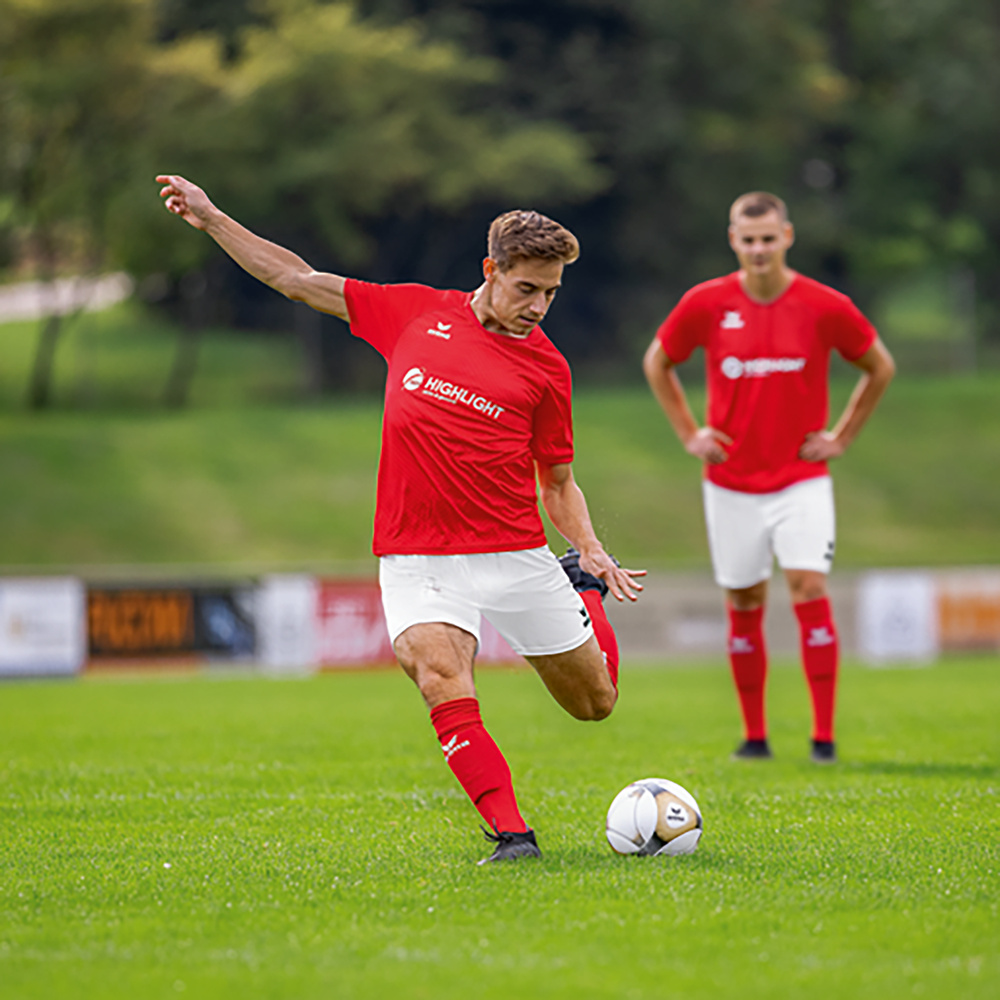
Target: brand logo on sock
{"points": [[452, 747], [740, 644], [821, 636]]}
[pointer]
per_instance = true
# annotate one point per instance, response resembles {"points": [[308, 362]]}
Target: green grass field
{"points": [[245, 837]]}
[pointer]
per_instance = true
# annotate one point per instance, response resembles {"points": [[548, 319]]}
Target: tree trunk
{"points": [[40, 387], [177, 390], [309, 327]]}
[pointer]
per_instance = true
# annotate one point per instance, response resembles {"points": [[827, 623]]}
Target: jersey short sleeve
{"points": [[552, 431], [379, 313], [686, 327], [845, 328]]}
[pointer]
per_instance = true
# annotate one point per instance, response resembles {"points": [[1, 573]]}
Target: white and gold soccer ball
{"points": [[654, 816]]}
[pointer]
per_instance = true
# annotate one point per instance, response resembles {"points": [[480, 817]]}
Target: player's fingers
{"points": [[721, 436], [626, 584]]}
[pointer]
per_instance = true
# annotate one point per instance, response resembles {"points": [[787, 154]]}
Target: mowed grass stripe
{"points": [[250, 837]]}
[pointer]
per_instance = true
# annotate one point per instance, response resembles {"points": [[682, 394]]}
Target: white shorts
{"points": [[526, 596], [746, 531]]}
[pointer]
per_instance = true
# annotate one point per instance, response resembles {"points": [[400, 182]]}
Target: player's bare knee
{"points": [[598, 704]]}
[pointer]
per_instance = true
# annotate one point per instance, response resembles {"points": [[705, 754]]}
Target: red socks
{"points": [[477, 763], [603, 632], [748, 658], [819, 657]]}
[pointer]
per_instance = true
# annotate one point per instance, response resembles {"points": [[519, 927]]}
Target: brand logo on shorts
{"points": [[732, 320], [821, 636], [734, 368], [413, 379]]}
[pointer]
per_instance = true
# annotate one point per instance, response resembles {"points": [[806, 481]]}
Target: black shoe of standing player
{"points": [[511, 845], [581, 579], [823, 752], [753, 750]]}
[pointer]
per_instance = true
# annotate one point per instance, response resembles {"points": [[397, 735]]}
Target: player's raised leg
{"points": [[592, 590]]}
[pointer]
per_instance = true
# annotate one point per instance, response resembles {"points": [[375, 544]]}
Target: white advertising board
{"points": [[43, 630], [897, 617], [286, 622]]}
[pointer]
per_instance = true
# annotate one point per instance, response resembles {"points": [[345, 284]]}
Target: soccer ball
{"points": [[654, 816]]}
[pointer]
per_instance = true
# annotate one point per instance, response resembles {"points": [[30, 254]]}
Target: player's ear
{"points": [[490, 269], [789, 234]]}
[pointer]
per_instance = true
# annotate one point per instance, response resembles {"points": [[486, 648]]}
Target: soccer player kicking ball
{"points": [[477, 409], [767, 333]]}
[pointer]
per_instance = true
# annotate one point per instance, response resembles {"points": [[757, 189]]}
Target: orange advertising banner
{"points": [[969, 610], [140, 622]]}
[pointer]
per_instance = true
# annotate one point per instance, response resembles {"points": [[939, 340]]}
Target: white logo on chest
{"points": [[413, 379], [732, 320]]}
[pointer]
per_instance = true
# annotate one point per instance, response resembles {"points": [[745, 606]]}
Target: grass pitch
{"points": [[246, 837]]}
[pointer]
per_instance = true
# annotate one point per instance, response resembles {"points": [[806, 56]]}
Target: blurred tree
{"points": [[921, 167], [874, 120], [72, 91], [322, 123]]}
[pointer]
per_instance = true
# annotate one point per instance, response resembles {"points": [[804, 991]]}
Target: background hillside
{"points": [[247, 477]]}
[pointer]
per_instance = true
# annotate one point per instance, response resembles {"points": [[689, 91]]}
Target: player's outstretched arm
{"points": [[564, 502], [877, 368], [705, 443], [283, 270]]}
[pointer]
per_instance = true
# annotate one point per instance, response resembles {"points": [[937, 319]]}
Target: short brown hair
{"points": [[756, 204], [526, 235]]}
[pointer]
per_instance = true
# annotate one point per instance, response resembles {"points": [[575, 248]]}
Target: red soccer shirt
{"points": [[767, 370], [467, 412]]}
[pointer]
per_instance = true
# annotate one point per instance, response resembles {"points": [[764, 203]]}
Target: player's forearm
{"points": [[277, 267], [865, 398], [670, 395], [566, 507]]}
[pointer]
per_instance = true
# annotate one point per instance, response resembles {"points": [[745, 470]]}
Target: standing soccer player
{"points": [[767, 333], [477, 411]]}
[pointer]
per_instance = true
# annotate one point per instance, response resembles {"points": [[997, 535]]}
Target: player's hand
{"points": [[186, 200], [707, 444], [621, 582], [820, 446]]}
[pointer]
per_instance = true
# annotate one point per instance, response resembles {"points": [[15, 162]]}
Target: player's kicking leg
{"points": [[439, 659]]}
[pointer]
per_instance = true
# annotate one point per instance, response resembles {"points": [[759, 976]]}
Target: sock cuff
{"points": [[746, 621], [817, 612], [453, 716]]}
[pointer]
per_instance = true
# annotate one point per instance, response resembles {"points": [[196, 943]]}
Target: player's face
{"points": [[760, 244], [521, 297]]}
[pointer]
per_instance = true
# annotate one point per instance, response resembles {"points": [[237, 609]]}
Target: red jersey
{"points": [[767, 371], [467, 412]]}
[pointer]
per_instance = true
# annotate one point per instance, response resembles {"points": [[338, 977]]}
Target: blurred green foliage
{"points": [[379, 137]]}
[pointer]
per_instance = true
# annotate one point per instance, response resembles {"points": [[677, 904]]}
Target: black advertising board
{"points": [[170, 622]]}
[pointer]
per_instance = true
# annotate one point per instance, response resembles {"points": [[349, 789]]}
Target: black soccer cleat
{"points": [[581, 579], [511, 845], [823, 752], [753, 750]]}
